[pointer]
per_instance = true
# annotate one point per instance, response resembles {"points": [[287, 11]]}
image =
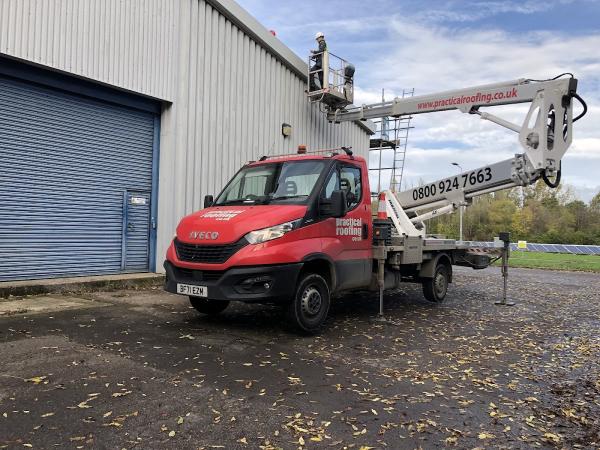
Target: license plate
{"points": [[192, 289]]}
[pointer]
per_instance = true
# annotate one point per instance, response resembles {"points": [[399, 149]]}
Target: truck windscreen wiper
{"points": [[245, 201], [286, 197]]}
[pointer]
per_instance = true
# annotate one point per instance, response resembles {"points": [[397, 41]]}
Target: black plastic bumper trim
{"points": [[282, 288]]}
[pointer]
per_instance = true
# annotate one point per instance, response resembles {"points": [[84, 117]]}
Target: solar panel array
{"points": [[546, 248]]}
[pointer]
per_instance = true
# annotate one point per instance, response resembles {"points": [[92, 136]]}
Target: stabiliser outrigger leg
{"points": [[505, 238]]}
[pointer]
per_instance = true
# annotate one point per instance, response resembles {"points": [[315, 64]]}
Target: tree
{"points": [[535, 213]]}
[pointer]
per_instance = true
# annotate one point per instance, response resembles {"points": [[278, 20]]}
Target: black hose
{"points": [[583, 103], [552, 79], [573, 94], [549, 183]]}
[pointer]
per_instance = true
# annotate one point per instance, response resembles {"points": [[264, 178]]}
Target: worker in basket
{"points": [[318, 58]]}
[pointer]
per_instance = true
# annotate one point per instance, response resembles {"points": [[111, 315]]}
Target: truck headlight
{"points": [[268, 234]]}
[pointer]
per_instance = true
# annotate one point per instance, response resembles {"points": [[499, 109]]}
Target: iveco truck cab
{"points": [[291, 230]]}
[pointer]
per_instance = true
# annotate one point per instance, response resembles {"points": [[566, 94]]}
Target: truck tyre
{"points": [[206, 306], [309, 307], [435, 288]]}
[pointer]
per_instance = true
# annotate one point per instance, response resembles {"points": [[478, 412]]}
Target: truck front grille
{"points": [[199, 275], [209, 254]]}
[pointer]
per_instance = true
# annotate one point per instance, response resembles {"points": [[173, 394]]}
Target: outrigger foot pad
{"points": [[504, 303]]}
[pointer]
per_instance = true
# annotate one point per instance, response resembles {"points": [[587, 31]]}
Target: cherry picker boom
{"points": [[545, 135]]}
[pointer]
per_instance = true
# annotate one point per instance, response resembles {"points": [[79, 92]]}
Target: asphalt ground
{"points": [[141, 369]]}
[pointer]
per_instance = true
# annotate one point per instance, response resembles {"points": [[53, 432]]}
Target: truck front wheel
{"points": [[435, 288], [206, 306], [309, 307]]}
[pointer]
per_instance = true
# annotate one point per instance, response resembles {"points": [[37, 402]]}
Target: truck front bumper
{"points": [[258, 284]]}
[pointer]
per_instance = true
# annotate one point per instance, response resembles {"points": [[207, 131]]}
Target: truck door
{"points": [[347, 240]]}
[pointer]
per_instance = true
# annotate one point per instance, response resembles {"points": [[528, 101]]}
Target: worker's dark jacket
{"points": [[319, 58]]}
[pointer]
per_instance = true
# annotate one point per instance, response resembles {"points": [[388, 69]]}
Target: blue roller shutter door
{"points": [[65, 162]]}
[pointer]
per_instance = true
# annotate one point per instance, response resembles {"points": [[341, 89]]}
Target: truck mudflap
{"points": [[257, 284]]}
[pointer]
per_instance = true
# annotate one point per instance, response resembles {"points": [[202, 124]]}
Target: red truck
{"points": [[294, 230]]}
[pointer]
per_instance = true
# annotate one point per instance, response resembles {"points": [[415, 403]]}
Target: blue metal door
{"points": [[65, 161], [136, 231]]}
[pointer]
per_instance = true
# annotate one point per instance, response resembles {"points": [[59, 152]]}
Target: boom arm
{"points": [[545, 134], [410, 208]]}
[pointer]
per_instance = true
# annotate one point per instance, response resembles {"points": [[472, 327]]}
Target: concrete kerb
{"points": [[80, 284]]}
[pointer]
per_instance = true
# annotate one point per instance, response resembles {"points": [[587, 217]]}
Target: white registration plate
{"points": [[192, 289]]}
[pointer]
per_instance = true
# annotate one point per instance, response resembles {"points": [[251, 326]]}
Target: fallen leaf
{"points": [[484, 435], [554, 438], [35, 380], [451, 440], [187, 336], [171, 433], [115, 424], [121, 394]]}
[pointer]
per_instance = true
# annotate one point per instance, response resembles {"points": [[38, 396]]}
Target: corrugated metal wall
{"points": [[229, 94], [125, 43]]}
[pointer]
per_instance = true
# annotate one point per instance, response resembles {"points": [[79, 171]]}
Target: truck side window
{"points": [[351, 182], [331, 185]]}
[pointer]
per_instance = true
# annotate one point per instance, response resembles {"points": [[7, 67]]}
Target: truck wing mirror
{"points": [[208, 201], [336, 206]]}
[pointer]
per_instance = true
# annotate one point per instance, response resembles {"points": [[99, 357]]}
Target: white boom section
{"points": [[445, 196], [457, 189], [545, 134], [409, 209], [399, 218]]}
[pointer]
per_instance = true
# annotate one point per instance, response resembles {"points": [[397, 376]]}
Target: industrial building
{"points": [[118, 116]]}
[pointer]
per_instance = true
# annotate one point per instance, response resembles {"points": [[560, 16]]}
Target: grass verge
{"points": [[555, 261]]}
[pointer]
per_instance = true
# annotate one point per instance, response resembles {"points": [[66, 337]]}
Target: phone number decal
{"points": [[452, 184]]}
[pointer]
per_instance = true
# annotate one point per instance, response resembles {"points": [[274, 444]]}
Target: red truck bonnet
{"points": [[233, 222]]}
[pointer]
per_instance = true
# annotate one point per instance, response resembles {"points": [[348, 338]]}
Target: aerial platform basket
{"points": [[337, 75]]}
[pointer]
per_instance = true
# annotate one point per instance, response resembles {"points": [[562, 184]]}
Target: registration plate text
{"points": [[192, 289]]}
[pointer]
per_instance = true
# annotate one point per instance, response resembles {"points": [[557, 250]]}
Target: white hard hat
{"points": [[319, 35]]}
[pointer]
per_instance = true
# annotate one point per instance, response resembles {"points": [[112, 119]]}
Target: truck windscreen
{"points": [[289, 182]]}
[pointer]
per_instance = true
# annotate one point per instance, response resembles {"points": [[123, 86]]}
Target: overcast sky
{"points": [[433, 46]]}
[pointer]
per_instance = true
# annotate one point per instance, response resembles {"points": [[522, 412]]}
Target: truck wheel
{"points": [[206, 306], [434, 289], [309, 307]]}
